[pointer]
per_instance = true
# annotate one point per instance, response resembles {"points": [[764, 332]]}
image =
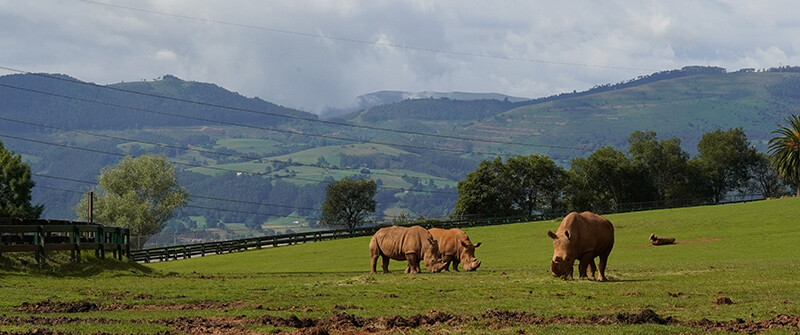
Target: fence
{"points": [[220, 247], [201, 249], [40, 236]]}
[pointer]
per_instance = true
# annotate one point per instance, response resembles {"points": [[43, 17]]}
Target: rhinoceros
{"points": [[455, 246], [581, 236], [405, 243]]}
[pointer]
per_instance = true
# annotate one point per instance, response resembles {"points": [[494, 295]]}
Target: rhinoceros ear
{"points": [[552, 235], [478, 245]]}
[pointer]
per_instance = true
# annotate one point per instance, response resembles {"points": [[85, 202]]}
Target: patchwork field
{"points": [[735, 268]]}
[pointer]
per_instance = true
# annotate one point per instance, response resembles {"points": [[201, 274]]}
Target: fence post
{"points": [[38, 239]]}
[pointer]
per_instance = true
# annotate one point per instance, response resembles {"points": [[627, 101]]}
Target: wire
{"points": [[261, 159], [202, 197], [365, 42], [70, 80], [191, 196], [212, 167]]}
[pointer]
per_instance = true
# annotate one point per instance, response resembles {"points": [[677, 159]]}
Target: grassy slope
{"points": [[747, 252], [683, 107]]}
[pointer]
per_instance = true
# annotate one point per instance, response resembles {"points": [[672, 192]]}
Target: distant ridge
{"points": [[67, 102]]}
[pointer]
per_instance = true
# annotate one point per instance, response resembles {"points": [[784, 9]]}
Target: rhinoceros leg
{"points": [[602, 267], [592, 268], [583, 263], [456, 261], [413, 263], [385, 263]]}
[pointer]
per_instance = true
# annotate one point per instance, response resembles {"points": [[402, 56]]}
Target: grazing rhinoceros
{"points": [[583, 237], [455, 246], [405, 243]]}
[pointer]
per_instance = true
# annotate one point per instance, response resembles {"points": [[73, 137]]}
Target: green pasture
{"points": [[746, 252], [249, 145]]}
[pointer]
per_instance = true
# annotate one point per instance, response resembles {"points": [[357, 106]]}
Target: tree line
{"points": [[652, 171]]}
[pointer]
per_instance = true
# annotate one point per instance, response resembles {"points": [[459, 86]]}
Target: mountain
{"points": [[249, 155], [380, 98], [74, 104]]}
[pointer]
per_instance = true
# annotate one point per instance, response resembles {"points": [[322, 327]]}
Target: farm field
{"points": [[735, 269]]}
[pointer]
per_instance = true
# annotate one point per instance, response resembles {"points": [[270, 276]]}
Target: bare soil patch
{"points": [[344, 323]]}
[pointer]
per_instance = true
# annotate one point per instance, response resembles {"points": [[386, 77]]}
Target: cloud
{"points": [[317, 53]]}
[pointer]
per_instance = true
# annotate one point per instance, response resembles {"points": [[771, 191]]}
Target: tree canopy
{"points": [[348, 203], [15, 187], [139, 193], [522, 185], [784, 151]]}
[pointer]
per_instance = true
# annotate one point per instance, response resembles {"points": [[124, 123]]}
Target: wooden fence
{"points": [[210, 248], [40, 236]]}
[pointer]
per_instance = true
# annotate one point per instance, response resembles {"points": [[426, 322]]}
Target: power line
{"points": [[191, 196], [201, 197], [163, 145], [210, 167], [343, 124], [365, 42]]}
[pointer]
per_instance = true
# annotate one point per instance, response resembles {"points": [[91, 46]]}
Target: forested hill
{"points": [[73, 104]]}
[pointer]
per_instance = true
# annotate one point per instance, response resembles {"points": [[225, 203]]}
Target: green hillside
{"points": [[683, 107], [210, 143], [734, 268]]}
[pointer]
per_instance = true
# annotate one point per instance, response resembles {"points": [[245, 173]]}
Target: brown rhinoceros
{"points": [[455, 246], [405, 243], [583, 237]]}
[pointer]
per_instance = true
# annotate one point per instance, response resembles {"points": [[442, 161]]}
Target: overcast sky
{"points": [[316, 54]]}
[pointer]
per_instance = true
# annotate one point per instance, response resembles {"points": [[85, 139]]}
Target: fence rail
{"points": [[208, 248], [40, 236], [220, 247]]}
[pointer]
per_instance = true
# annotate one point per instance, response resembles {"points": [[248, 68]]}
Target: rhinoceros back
{"points": [[396, 241], [589, 233]]}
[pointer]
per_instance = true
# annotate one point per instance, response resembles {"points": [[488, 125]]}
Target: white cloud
{"points": [[274, 50]]}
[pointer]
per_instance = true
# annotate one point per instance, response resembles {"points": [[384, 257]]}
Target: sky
{"points": [[315, 55]]}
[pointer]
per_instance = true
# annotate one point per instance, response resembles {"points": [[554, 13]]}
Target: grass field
{"points": [[748, 253]]}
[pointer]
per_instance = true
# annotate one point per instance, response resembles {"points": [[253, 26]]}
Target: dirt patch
{"points": [[724, 301], [48, 306], [339, 323]]}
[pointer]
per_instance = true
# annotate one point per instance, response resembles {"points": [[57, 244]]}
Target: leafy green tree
{"points": [[725, 160], [784, 151], [479, 193], [601, 182], [348, 203], [765, 179], [663, 162], [533, 183], [520, 186], [15, 187], [139, 193]]}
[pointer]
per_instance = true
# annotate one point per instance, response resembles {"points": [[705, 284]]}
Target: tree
{"points": [[348, 202], [521, 186], [663, 162], [533, 183], [765, 179], [784, 151], [479, 194], [15, 187], [141, 194], [725, 160], [602, 181]]}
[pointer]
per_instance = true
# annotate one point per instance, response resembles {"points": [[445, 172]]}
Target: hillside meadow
{"points": [[735, 268]]}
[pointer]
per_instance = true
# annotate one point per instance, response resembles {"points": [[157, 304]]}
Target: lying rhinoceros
{"points": [[455, 246], [405, 243], [583, 237]]}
